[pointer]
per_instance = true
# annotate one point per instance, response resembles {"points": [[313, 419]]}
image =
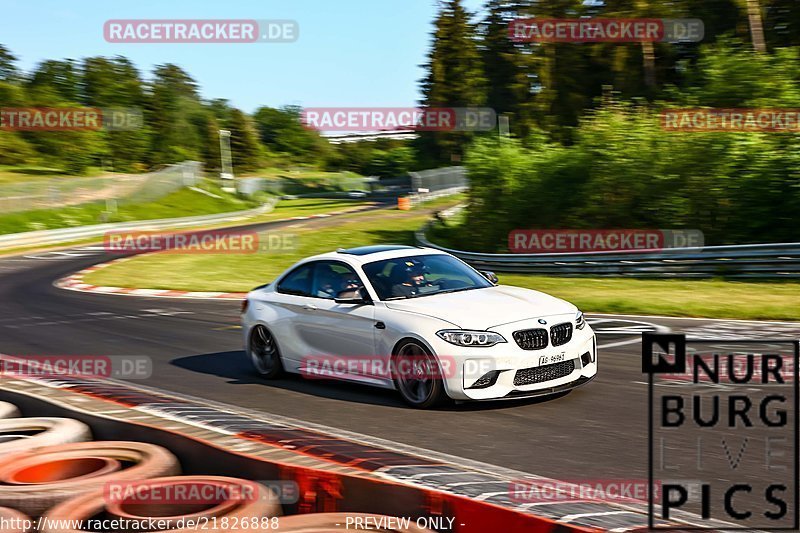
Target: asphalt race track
{"points": [[596, 432]]}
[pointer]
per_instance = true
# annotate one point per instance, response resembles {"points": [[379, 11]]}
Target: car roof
{"points": [[368, 254], [375, 248]]}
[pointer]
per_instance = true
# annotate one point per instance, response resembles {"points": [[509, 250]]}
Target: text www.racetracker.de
{"points": [[44, 523]]}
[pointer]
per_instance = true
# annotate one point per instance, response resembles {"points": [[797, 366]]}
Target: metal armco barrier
{"points": [[61, 235], [741, 261]]}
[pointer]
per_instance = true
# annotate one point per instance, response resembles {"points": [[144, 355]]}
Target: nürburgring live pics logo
{"points": [[722, 413]]}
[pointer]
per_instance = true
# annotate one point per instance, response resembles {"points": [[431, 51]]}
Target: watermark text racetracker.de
{"points": [[738, 120], [419, 367], [399, 118], [613, 30], [541, 491], [69, 119], [85, 366], [200, 492], [724, 412], [200, 31], [199, 242], [534, 241]]}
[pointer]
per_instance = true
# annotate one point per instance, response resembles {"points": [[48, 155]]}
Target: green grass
{"points": [[234, 273], [184, 202], [239, 273], [12, 174], [285, 209], [691, 298], [300, 207]]}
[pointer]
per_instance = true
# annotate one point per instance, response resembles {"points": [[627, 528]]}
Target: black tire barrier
{"points": [[8, 410], [33, 482], [23, 434]]}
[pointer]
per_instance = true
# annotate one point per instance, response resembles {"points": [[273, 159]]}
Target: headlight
{"points": [[580, 321], [463, 337]]}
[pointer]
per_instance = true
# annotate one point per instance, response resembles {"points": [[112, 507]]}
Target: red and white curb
{"points": [[75, 282]]}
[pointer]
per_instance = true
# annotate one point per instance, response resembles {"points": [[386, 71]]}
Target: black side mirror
{"points": [[353, 296], [491, 276]]}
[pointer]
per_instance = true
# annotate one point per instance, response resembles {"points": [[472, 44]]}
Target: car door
{"points": [[293, 295], [342, 333]]}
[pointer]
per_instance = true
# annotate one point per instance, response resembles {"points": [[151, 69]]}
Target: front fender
{"points": [[402, 325]]}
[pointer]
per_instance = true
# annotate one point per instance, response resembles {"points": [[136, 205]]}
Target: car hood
{"points": [[485, 308]]}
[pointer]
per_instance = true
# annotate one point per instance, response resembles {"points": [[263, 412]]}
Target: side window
{"points": [[331, 278], [298, 281]]}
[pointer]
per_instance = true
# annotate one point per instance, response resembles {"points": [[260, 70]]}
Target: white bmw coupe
{"points": [[417, 320]]}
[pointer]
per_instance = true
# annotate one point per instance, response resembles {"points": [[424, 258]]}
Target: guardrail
{"points": [[741, 261], [56, 236]]}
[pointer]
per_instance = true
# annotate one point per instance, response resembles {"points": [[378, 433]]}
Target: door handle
{"points": [[310, 307]]}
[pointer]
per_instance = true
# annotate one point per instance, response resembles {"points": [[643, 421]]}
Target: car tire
{"points": [[36, 481], [8, 410], [264, 353], [426, 393], [46, 432]]}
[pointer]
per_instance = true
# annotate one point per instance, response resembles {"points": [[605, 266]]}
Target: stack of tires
{"points": [[50, 468]]}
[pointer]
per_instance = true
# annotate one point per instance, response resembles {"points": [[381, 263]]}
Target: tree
{"points": [[8, 69], [756, 26], [508, 70], [390, 163], [782, 23], [245, 149], [111, 82], [567, 75], [208, 125], [173, 99], [454, 78], [282, 132], [115, 86], [60, 76]]}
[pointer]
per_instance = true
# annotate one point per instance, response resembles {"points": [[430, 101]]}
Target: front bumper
{"points": [[489, 373]]}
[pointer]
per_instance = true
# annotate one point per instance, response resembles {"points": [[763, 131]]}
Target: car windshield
{"points": [[421, 275]]}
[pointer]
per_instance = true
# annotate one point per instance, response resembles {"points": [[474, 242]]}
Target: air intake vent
{"points": [[540, 374], [561, 333], [531, 339]]}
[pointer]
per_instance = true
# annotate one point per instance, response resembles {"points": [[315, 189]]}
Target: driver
{"points": [[349, 283], [415, 279]]}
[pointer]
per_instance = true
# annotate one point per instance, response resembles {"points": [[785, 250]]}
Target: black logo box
{"points": [[674, 347]]}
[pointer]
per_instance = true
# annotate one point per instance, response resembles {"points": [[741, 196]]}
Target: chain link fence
{"points": [[55, 193], [423, 183], [341, 182], [439, 179]]}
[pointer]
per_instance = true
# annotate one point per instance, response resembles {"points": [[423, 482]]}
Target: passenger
{"points": [[328, 284]]}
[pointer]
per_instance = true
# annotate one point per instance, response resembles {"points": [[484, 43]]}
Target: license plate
{"points": [[550, 359]]}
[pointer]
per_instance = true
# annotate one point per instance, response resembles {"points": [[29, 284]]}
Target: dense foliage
{"points": [[587, 147], [178, 124]]}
